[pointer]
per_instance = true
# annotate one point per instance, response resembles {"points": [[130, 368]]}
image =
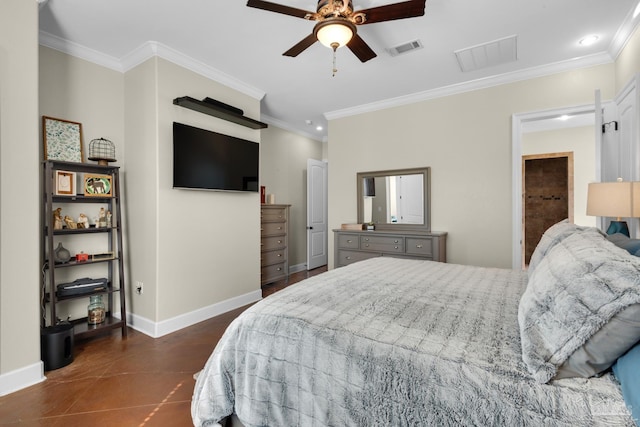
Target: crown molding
{"points": [[286, 126], [624, 33], [152, 48], [483, 83], [79, 51], [142, 53], [620, 40]]}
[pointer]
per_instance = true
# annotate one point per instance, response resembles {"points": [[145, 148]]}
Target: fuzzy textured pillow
{"points": [[579, 285], [552, 236]]}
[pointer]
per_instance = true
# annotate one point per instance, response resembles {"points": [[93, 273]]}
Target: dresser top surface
{"points": [[392, 233]]}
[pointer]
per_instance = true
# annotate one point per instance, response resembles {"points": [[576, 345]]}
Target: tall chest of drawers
{"points": [[352, 246], [274, 243]]}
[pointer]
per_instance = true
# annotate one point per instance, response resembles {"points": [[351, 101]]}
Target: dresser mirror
{"points": [[395, 199]]}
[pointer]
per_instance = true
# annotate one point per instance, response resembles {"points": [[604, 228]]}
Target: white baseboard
{"points": [[297, 267], [22, 378], [33, 374], [158, 329]]}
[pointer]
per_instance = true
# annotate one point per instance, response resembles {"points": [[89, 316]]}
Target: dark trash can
{"points": [[56, 346]]}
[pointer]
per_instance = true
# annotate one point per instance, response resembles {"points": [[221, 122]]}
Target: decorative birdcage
{"points": [[102, 150]]}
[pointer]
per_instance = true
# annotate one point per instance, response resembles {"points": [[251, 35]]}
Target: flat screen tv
{"points": [[207, 160]]}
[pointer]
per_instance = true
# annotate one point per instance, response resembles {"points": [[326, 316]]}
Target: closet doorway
{"points": [[547, 196]]}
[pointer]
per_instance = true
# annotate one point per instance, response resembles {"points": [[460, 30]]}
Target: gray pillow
{"points": [[554, 234], [605, 346], [626, 243], [577, 288]]}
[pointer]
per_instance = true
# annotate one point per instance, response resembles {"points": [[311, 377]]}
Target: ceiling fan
{"points": [[337, 22]]}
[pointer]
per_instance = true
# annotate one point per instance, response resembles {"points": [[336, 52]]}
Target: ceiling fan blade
{"points": [[278, 8], [301, 46], [406, 9], [361, 49]]}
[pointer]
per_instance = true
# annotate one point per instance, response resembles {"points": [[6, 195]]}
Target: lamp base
{"points": [[618, 227]]}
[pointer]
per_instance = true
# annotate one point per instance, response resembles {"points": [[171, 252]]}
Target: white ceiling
{"points": [[243, 47]]}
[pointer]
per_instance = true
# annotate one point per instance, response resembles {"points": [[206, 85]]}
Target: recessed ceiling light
{"points": [[588, 40]]}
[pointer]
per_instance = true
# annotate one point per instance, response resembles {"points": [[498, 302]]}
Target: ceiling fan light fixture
{"points": [[334, 33]]}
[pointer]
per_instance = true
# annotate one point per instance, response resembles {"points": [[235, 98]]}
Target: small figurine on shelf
{"points": [[57, 219], [108, 218], [102, 218], [69, 221], [83, 221]]}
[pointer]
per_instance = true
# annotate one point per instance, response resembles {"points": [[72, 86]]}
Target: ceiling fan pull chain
{"points": [[335, 70]]}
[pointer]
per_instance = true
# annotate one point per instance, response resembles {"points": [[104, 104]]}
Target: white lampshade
{"points": [[336, 33], [614, 199]]}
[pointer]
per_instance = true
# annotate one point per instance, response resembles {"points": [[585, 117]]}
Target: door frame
{"points": [[518, 122], [570, 188]]}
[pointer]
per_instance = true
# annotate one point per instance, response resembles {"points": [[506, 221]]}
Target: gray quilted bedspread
{"points": [[392, 342]]}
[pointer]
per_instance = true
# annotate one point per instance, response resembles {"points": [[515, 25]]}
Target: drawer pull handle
{"points": [[366, 239], [348, 257], [395, 247], [279, 228], [367, 245], [279, 269], [395, 241], [349, 241], [279, 255], [279, 241], [419, 246]]}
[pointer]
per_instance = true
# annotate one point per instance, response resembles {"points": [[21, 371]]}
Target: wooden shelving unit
{"points": [[113, 266]]}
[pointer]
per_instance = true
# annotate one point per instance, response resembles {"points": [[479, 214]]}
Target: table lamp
{"points": [[620, 199]]}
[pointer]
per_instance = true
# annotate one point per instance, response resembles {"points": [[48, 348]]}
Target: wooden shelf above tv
{"points": [[217, 111]]}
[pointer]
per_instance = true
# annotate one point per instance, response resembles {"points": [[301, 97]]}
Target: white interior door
{"points": [[409, 199], [621, 142], [317, 238]]}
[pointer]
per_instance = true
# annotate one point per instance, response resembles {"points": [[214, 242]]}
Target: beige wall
{"points": [[581, 142], [466, 140], [141, 128], [80, 91], [283, 171], [19, 197], [196, 248]]}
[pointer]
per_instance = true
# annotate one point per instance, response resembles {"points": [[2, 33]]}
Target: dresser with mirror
{"points": [[395, 206]]}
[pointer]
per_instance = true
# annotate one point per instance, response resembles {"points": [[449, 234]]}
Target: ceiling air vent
{"points": [[405, 48], [488, 54]]}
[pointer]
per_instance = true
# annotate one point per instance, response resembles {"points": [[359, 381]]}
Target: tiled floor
{"points": [[136, 381]]}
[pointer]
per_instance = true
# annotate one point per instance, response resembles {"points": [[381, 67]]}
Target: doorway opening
{"points": [[547, 196]]}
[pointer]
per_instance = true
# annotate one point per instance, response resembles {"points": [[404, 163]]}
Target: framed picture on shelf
{"points": [[97, 185], [62, 140], [65, 183]]}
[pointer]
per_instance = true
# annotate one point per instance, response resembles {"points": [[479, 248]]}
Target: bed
{"points": [[400, 342]]}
